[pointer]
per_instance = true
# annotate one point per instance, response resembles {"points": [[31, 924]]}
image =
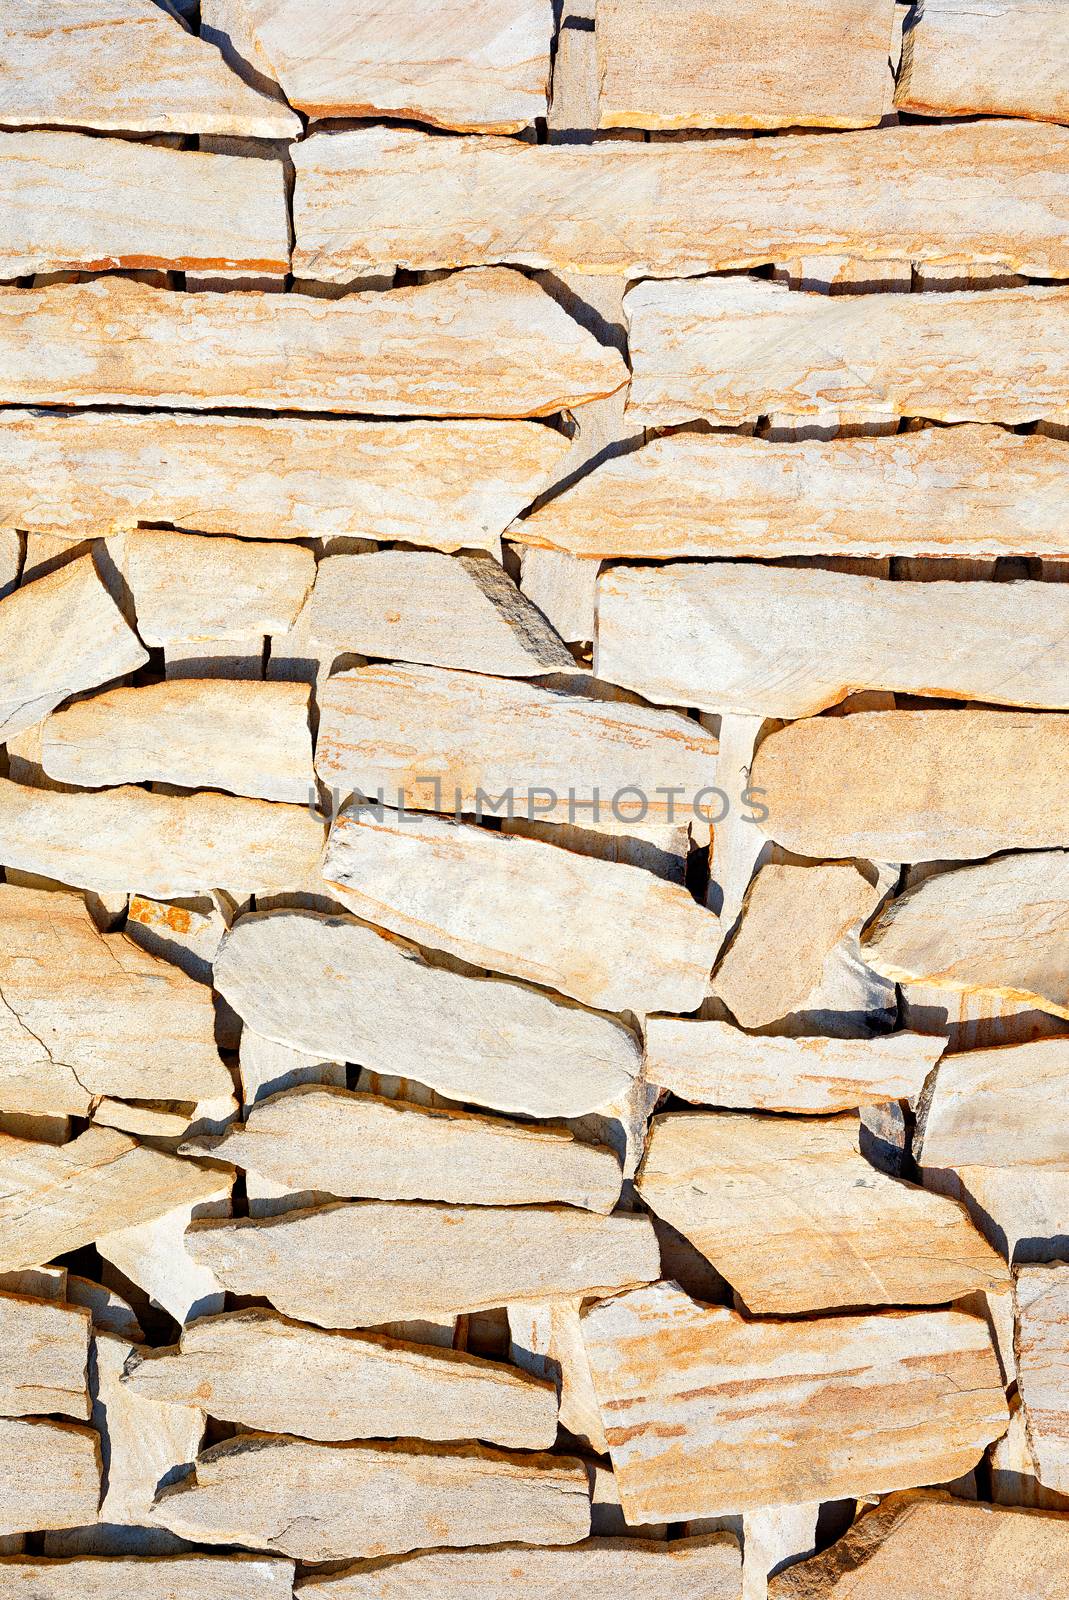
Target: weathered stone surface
{"points": [[125, 65], [743, 65], [165, 845], [369, 1147], [547, 1340], [379, 197], [766, 641], [93, 204], [706, 1568], [714, 1064], [731, 1185], [1010, 57], [330, 987], [369, 1262], [917, 785], [155, 1253], [708, 1413], [186, 588], [466, 735], [261, 1371], [998, 928], [144, 1442], [44, 1352], [490, 343], [420, 605], [734, 349], [827, 901], [1041, 1346], [178, 1577], [610, 935], [57, 1198], [451, 485], [59, 634], [477, 69], [964, 491], [50, 1473], [918, 1545], [213, 733], [998, 1108], [324, 1502], [88, 1013]]}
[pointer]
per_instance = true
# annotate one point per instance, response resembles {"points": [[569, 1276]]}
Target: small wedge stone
{"points": [[714, 1064], [796, 1219], [50, 1473], [44, 1354], [368, 1147], [566, 921], [418, 605], [187, 588], [336, 989], [88, 204], [323, 1502], [917, 785], [707, 1413], [262, 1371], [213, 733], [369, 1262]]}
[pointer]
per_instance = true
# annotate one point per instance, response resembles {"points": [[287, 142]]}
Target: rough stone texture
{"points": [[733, 349], [451, 485], [331, 987], [828, 901], [144, 1442], [379, 197], [59, 1197], [164, 845], [155, 1253], [917, 785], [213, 733], [370, 1147], [796, 1219], [88, 1013], [50, 1473], [462, 735], [369, 1262], [715, 1064], [489, 343], [998, 1108], [262, 1371], [473, 67], [705, 1568], [918, 1545], [124, 65], [177, 1577], [706, 1413], [743, 65], [1041, 1346], [1010, 57], [44, 1352], [90, 205], [608, 934], [185, 588], [59, 634], [751, 640], [998, 928], [966, 491], [420, 605], [547, 1340], [323, 1502]]}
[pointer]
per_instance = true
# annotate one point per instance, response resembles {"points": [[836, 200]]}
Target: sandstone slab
{"points": [[177, 1577], [146, 1442], [51, 1475], [566, 921], [707, 1413], [450, 485], [485, 344], [322, 1502], [44, 1355], [262, 1371], [331, 987], [1007, 57], [1041, 1347], [188, 588], [992, 191], [714, 1064], [735, 349], [917, 785], [369, 1147], [91, 205], [998, 1108]]}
